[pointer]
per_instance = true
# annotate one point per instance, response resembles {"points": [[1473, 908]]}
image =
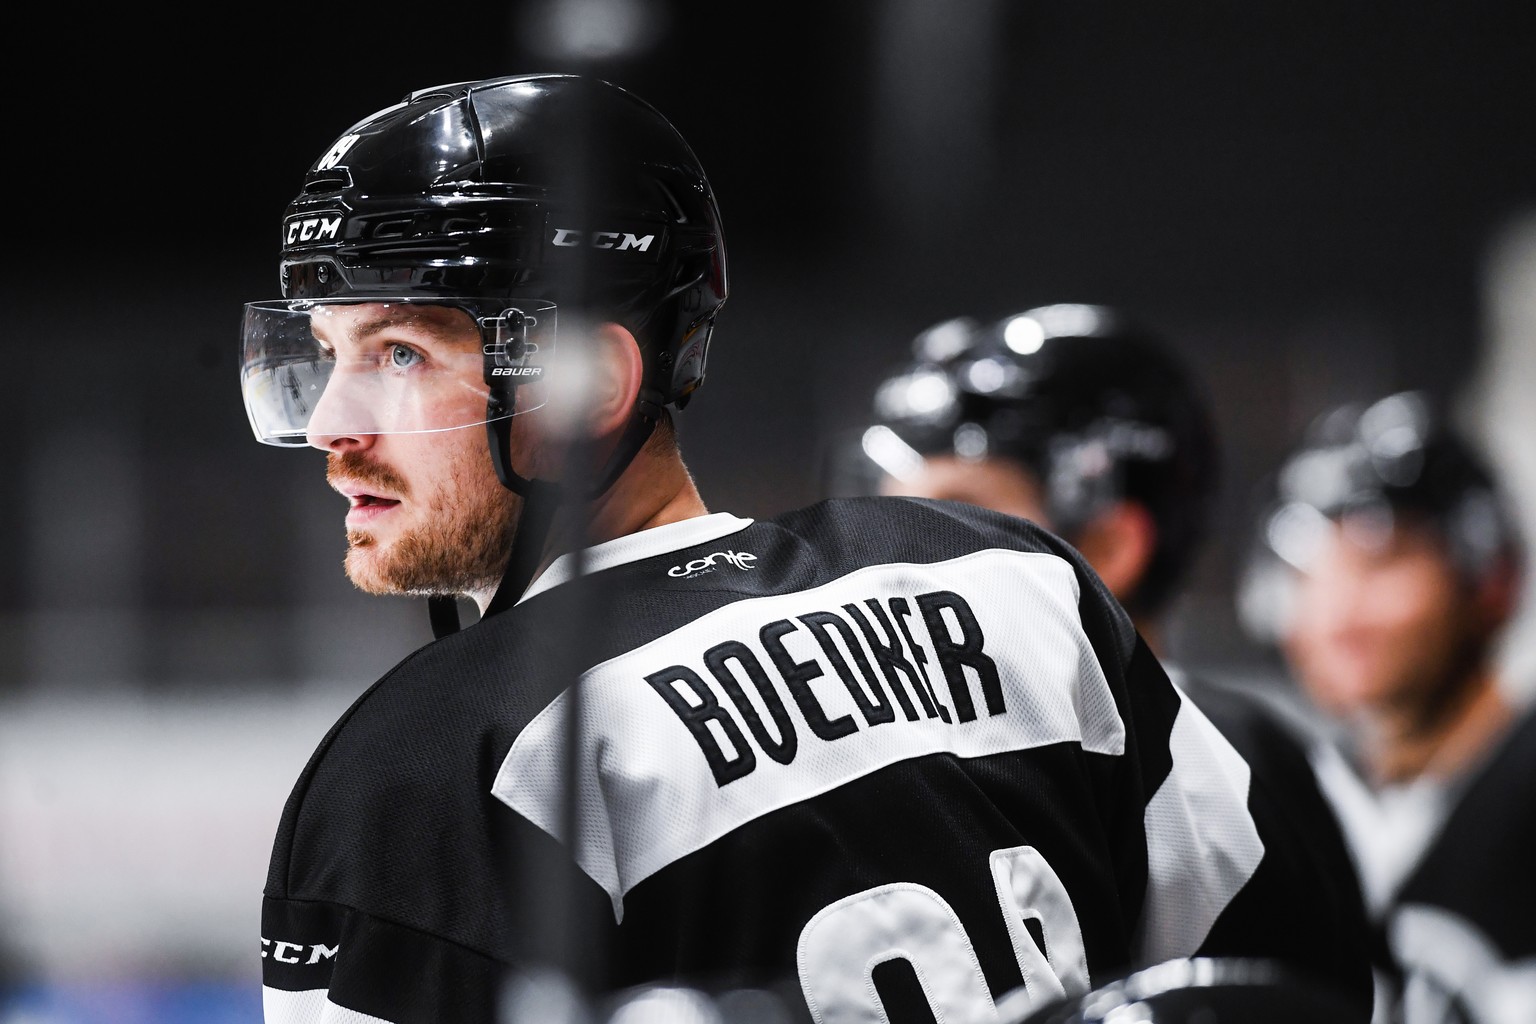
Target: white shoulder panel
{"points": [[310, 1006], [1202, 844]]}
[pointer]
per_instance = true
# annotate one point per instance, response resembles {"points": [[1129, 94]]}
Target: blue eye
{"points": [[402, 356]]}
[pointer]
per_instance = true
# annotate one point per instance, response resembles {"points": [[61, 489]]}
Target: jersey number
{"points": [[842, 945]]}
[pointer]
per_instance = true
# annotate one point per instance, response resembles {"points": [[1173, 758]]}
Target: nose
{"points": [[1333, 601], [357, 441], [341, 420]]}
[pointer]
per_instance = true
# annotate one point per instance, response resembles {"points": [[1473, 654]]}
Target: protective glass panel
{"points": [[313, 370], [867, 460]]}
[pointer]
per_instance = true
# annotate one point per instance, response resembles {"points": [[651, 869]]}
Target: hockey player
{"points": [[1386, 571], [879, 759], [1087, 423]]}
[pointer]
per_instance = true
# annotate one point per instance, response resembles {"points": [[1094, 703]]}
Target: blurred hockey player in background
{"points": [[1385, 571], [1086, 422]]}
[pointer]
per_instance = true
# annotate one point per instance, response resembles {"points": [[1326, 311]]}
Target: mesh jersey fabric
{"points": [[877, 750]]}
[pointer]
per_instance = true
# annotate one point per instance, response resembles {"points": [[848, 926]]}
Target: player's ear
{"points": [[1118, 543], [1498, 593], [617, 373]]}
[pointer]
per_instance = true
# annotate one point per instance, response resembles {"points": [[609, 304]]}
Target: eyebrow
{"points": [[437, 328], [433, 326]]}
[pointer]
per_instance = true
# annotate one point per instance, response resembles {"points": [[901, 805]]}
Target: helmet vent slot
{"points": [[329, 180], [398, 228], [424, 226]]}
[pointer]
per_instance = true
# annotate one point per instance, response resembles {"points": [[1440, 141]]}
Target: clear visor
{"points": [[312, 370]]}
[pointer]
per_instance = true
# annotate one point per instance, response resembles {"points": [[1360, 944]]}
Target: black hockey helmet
{"points": [[514, 202], [1202, 990], [1398, 458], [1096, 407], [513, 197]]}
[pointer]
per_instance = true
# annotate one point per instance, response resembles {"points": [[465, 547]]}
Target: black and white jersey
{"points": [[878, 752], [1326, 932], [1459, 919]]}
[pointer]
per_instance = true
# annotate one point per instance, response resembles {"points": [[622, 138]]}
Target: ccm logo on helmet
{"points": [[740, 559], [312, 228], [620, 240]]}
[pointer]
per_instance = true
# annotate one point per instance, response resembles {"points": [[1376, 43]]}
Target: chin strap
{"points": [[443, 611], [540, 500]]}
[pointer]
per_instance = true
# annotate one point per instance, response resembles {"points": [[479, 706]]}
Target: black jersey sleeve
{"points": [[323, 962]]}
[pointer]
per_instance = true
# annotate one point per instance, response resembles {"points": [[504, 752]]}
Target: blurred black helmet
{"points": [[1204, 991], [1096, 407], [1377, 464], [541, 187]]}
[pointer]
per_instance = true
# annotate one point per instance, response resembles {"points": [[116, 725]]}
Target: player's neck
{"points": [[654, 490], [1405, 747]]}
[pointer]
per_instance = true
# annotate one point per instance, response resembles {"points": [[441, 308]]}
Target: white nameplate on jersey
{"points": [[773, 700]]}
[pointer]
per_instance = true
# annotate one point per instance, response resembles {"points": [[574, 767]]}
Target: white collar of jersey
{"points": [[655, 541]]}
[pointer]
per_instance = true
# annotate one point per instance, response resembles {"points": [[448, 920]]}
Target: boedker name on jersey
{"points": [[883, 625], [887, 750]]}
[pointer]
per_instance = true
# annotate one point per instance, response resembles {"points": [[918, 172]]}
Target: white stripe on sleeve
{"points": [[279, 1006], [1202, 844]]}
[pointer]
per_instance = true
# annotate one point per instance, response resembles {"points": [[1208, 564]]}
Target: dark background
{"points": [[1315, 202], [1301, 195]]}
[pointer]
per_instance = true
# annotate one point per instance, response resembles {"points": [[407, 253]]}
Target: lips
{"points": [[365, 506]]}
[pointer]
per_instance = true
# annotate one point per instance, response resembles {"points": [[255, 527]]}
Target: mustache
{"points": [[358, 468]]}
